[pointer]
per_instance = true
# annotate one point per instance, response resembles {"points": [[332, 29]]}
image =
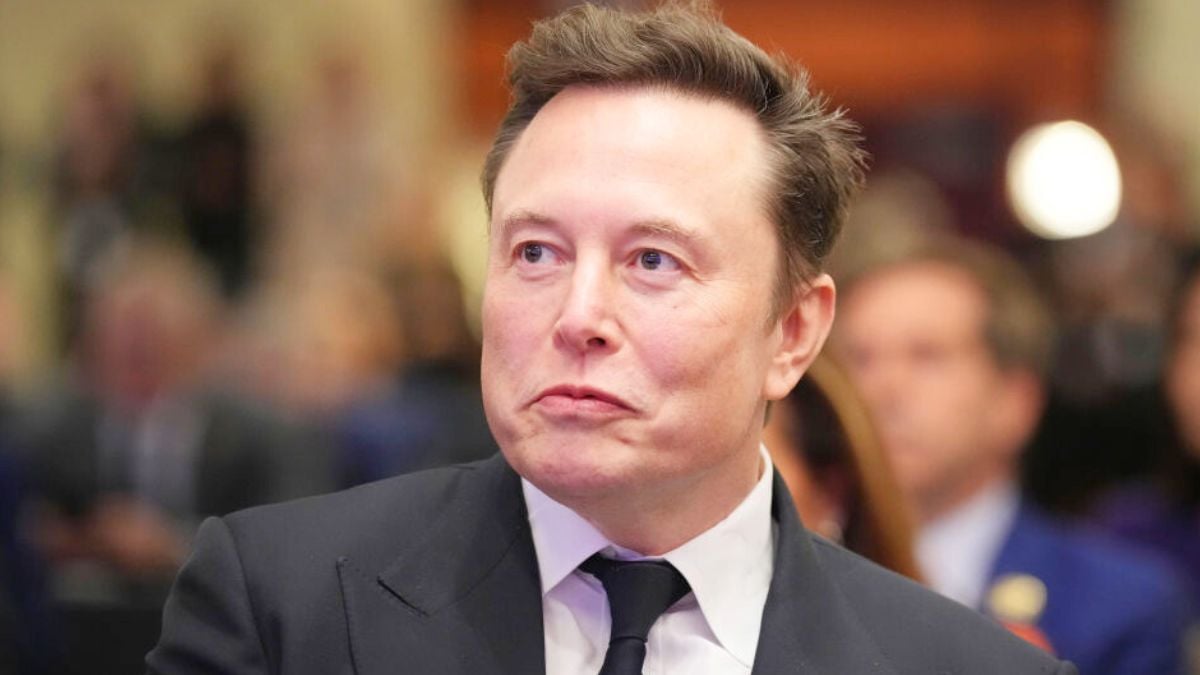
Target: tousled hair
{"points": [[816, 162]]}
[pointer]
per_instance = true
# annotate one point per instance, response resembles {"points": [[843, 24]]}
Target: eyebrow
{"points": [[666, 229], [520, 218], [654, 227]]}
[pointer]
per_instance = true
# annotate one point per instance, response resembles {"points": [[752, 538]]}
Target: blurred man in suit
{"points": [[661, 195], [949, 343], [27, 639], [136, 444]]}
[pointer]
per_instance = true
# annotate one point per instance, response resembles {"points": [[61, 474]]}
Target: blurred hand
{"points": [[136, 538]]}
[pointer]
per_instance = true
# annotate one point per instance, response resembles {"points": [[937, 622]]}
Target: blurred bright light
{"points": [[1063, 180]]}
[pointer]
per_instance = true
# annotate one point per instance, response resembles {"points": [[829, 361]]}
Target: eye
{"points": [[653, 260], [535, 253]]}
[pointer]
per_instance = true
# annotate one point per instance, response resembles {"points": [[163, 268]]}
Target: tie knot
{"points": [[638, 592]]}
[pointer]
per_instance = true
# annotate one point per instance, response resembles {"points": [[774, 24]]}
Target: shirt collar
{"points": [[729, 566], [956, 550], [562, 538]]}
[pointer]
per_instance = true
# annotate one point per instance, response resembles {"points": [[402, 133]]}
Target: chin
{"points": [[573, 471]]}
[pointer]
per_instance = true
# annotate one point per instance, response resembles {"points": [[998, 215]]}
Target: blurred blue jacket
{"points": [[1109, 609], [27, 642]]}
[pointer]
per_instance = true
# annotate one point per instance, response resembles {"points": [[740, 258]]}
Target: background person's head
{"points": [[948, 343], [1182, 377], [632, 323], [151, 319]]}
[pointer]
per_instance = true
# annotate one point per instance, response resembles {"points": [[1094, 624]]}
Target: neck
{"points": [[662, 518], [938, 504]]}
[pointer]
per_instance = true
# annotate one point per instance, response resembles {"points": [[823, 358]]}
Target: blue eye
{"points": [[653, 260], [532, 252]]}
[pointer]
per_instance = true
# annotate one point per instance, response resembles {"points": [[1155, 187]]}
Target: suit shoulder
{"points": [[393, 510]]}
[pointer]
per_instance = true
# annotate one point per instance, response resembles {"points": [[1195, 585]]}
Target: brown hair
{"points": [[1018, 327], [683, 47]]}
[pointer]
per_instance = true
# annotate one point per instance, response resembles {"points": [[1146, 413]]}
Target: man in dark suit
{"points": [[948, 342], [661, 196]]}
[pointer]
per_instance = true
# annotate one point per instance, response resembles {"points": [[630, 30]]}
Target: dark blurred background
{"points": [[241, 248]]}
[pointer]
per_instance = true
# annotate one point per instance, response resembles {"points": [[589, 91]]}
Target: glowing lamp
{"points": [[1063, 180]]}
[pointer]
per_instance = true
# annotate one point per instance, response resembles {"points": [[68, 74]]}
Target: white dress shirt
{"points": [[956, 551], [714, 629]]}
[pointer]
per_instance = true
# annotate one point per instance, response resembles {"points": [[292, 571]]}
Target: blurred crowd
{"points": [[241, 324], [250, 317]]}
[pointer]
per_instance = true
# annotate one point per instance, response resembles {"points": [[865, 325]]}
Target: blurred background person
{"points": [[109, 175], [332, 172], [949, 345], [430, 411], [215, 153], [380, 366], [822, 442], [1162, 510], [136, 445], [27, 640], [311, 342]]}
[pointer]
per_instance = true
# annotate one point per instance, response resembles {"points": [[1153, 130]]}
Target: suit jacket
{"points": [[1107, 609], [27, 642], [435, 572], [246, 455]]}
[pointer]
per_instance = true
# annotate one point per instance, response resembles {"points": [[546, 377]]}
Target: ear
{"points": [[800, 333]]}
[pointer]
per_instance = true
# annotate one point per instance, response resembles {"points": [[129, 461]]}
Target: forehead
{"points": [[670, 155], [915, 300]]}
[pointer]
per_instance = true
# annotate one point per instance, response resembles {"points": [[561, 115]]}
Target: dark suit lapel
{"points": [[808, 626], [463, 598]]}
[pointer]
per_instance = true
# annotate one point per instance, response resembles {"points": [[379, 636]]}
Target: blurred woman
{"points": [[824, 447]]}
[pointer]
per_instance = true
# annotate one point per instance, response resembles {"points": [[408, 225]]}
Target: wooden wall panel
{"points": [[1032, 58]]}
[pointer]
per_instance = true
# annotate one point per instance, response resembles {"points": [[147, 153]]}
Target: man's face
{"points": [[913, 340], [626, 342]]}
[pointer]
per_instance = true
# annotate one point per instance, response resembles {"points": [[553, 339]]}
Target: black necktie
{"points": [[638, 593]]}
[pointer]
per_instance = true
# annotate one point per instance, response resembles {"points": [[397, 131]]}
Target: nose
{"points": [[587, 321]]}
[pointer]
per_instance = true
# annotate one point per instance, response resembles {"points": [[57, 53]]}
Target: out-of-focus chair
{"points": [[822, 441]]}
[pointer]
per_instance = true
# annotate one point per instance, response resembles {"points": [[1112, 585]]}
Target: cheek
{"points": [[1183, 383], [1183, 390], [1186, 406], [953, 392], [509, 328], [964, 426], [699, 348], [931, 417]]}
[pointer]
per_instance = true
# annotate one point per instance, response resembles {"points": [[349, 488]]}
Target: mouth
{"points": [[581, 402]]}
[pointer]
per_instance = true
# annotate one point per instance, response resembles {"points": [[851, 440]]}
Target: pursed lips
{"points": [[580, 400]]}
